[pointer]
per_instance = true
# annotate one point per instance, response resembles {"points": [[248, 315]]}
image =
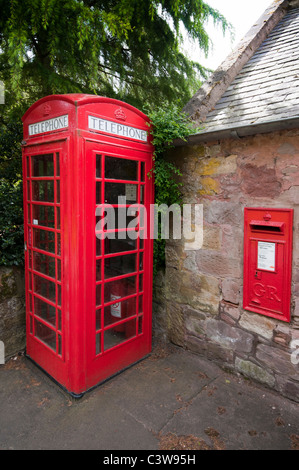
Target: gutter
{"points": [[239, 132]]}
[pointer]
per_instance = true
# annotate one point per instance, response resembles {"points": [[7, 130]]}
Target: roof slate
{"points": [[267, 87]]}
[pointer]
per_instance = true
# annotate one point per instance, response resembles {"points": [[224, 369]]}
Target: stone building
{"points": [[245, 155]]}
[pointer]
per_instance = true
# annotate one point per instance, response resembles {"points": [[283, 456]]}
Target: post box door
{"points": [[43, 254], [120, 258], [268, 261]]}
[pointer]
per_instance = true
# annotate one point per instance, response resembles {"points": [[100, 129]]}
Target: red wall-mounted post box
{"points": [[88, 295], [268, 235]]}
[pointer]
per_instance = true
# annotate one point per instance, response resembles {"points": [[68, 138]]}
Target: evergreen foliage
{"points": [[127, 49], [124, 49], [168, 124]]}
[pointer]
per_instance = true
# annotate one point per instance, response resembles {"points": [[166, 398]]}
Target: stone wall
{"points": [[203, 288], [12, 310]]}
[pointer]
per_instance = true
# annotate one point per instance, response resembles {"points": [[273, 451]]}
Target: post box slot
{"points": [[272, 227]]}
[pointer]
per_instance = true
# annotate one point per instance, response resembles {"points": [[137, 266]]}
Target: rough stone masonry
{"points": [[202, 296]]}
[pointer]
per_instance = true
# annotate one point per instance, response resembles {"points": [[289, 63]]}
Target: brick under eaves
{"points": [[212, 90]]}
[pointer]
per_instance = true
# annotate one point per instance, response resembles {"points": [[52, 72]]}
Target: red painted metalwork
{"points": [[268, 261], [88, 297]]}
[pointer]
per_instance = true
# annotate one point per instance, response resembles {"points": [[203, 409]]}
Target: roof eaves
{"points": [[237, 132]]}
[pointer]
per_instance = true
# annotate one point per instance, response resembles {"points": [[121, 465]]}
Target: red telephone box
{"points": [[268, 261], [86, 161]]}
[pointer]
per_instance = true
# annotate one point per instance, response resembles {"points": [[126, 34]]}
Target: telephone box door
{"points": [[119, 258], [43, 256]]}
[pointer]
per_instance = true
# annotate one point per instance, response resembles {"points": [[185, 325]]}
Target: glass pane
{"points": [[58, 218], [43, 215], [98, 319], [28, 167], [57, 165], [117, 246], [59, 294], [98, 269], [141, 239], [59, 319], [119, 334], [141, 194], [43, 191], [58, 191], [119, 265], [140, 325], [98, 246], [58, 244], [141, 261], [29, 259], [99, 166], [44, 240], [59, 345], [98, 193], [45, 334], [98, 294], [119, 288], [42, 165], [141, 283], [111, 218], [45, 288], [45, 311], [125, 217], [59, 269], [44, 264], [142, 171], [121, 169], [140, 308], [121, 193], [98, 343], [119, 310]]}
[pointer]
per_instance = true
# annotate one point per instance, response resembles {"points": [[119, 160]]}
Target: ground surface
{"points": [[172, 400]]}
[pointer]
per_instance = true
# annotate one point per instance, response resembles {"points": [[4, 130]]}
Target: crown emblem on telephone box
{"points": [[120, 114]]}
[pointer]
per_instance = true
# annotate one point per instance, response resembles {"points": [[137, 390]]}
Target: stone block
{"points": [[255, 323], [211, 238], [175, 324], [217, 264], [212, 150], [230, 290], [232, 242], [229, 313], [199, 291], [196, 345], [188, 311], [12, 310], [219, 353], [282, 335], [232, 338], [174, 256], [278, 360], [288, 388], [208, 186], [194, 326], [223, 213], [253, 371], [260, 181], [159, 321]]}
